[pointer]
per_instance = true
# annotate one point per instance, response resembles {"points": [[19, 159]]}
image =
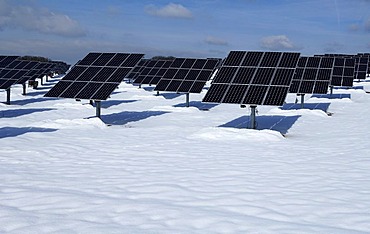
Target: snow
{"points": [[155, 166]]}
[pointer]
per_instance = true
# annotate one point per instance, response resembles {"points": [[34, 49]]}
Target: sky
{"points": [[69, 29]]}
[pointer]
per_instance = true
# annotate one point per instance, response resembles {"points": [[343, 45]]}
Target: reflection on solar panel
{"points": [[255, 78], [15, 72], [343, 72], [313, 75], [96, 76], [186, 75], [152, 72]]}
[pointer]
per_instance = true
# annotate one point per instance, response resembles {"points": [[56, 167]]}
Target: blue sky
{"points": [[68, 29]]}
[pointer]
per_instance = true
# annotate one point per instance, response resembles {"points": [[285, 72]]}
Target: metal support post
{"points": [[331, 90], [253, 117], [42, 80], [157, 93], [302, 101], [8, 96], [187, 99], [98, 108], [24, 89]]}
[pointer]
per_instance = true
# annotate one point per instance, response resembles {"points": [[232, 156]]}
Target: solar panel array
{"points": [[42, 69], [15, 72], [362, 61], [255, 78], [96, 76], [136, 71], [187, 75], [313, 75], [343, 72], [152, 72]]}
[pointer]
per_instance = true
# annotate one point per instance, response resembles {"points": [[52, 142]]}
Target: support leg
{"points": [[24, 89], [8, 96], [253, 124], [98, 108], [302, 101], [187, 99]]}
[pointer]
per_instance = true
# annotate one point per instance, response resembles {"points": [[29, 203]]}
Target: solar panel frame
{"points": [[343, 72], [152, 72], [16, 72], [95, 76], [253, 78], [313, 75], [184, 70]]}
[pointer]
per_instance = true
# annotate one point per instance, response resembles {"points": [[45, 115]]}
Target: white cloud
{"points": [[279, 42], [215, 41], [38, 19], [171, 10]]}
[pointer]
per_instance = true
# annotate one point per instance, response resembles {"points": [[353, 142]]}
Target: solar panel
{"points": [[96, 76], [343, 72], [255, 78], [15, 72], [152, 72], [6, 60], [187, 75], [136, 71], [313, 75], [42, 69], [361, 67]]}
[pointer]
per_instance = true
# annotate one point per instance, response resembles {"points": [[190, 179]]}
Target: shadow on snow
{"points": [[273, 122], [20, 112], [13, 131], [30, 100], [125, 117], [170, 95], [332, 96], [109, 103], [198, 104], [311, 106]]}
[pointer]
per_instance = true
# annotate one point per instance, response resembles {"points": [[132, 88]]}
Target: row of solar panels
{"points": [[98, 74], [261, 78], [15, 70], [258, 78]]}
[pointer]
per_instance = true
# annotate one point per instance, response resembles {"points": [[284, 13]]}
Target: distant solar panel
{"points": [[255, 78], [343, 72], [187, 75], [137, 69], [96, 76], [152, 72], [313, 75], [361, 67], [41, 70], [15, 72]]}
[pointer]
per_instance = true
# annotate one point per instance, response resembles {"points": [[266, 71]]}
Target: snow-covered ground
{"points": [[154, 166]]}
